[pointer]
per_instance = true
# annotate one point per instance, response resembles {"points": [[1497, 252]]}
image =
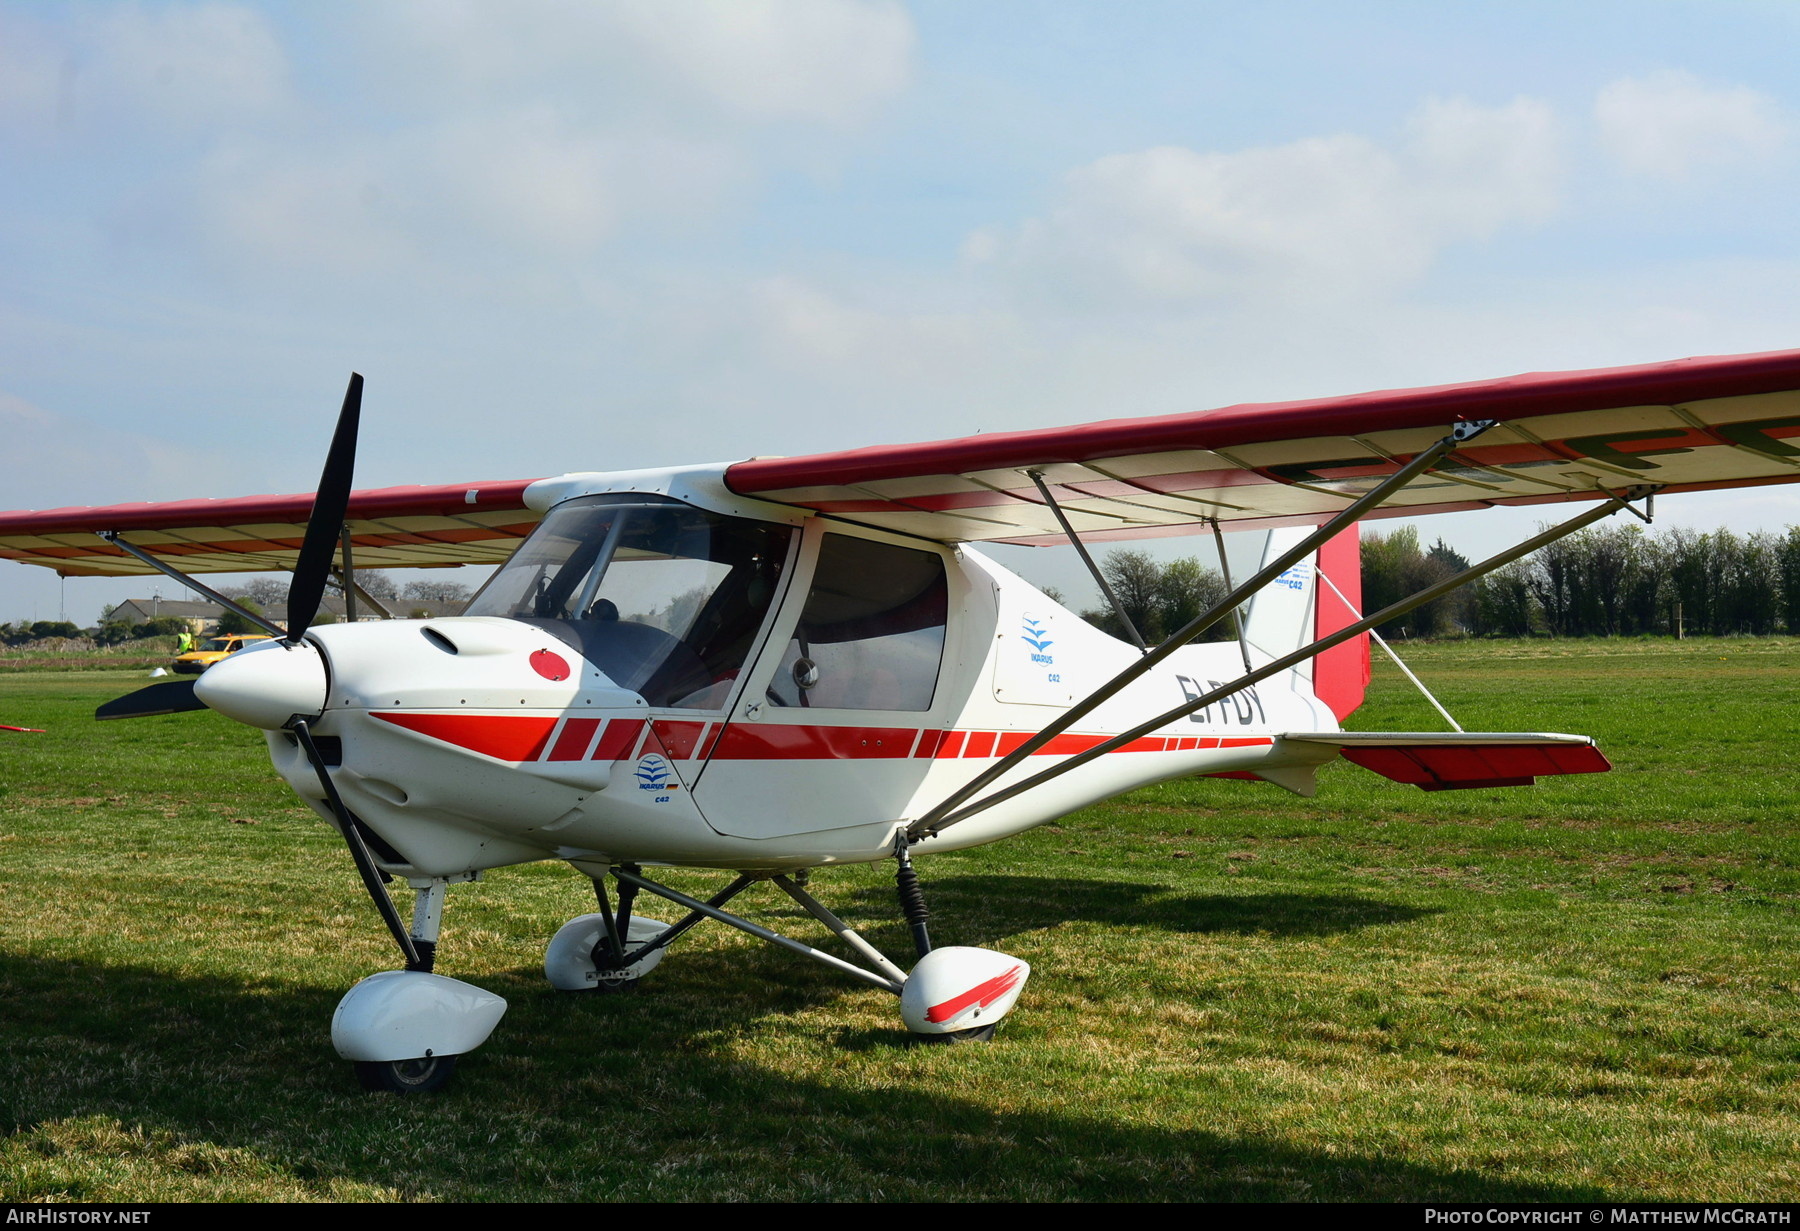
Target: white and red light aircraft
{"points": [[782, 664]]}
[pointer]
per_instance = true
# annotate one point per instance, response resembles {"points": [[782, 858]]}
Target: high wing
{"points": [[394, 527], [1687, 425]]}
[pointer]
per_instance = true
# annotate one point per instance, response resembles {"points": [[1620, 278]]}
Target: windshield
{"points": [[665, 598]]}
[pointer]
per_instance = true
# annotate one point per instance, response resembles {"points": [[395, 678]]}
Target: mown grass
{"points": [[1581, 991]]}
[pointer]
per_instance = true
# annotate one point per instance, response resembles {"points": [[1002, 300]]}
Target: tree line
{"points": [[1157, 598], [257, 595], [1604, 581], [1625, 580]]}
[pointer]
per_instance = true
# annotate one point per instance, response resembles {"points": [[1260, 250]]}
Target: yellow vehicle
{"points": [[212, 650]]}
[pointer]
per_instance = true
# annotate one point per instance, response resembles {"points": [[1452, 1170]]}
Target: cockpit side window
{"points": [[871, 636], [665, 598]]}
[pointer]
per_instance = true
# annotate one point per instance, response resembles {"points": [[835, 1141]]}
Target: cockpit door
{"points": [[845, 706]]}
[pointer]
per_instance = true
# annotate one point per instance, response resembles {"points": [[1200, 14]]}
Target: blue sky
{"points": [[599, 236]]}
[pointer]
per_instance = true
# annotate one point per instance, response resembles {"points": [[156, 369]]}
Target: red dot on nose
{"points": [[550, 666]]}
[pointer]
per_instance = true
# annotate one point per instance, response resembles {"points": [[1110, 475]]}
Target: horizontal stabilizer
{"points": [[1463, 760]]}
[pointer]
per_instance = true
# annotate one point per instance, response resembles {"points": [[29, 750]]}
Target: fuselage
{"points": [[668, 674]]}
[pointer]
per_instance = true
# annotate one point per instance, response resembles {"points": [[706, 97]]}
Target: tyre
{"points": [[419, 1076], [569, 960]]}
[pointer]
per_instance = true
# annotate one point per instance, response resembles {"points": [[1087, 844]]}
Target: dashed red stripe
{"points": [[572, 743], [620, 739], [529, 737], [1066, 745], [712, 741], [929, 742], [1011, 742], [771, 742], [679, 738]]}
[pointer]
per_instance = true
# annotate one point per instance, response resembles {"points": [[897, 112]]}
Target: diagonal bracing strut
{"points": [[1459, 435], [1137, 639], [886, 982], [205, 591], [942, 818]]}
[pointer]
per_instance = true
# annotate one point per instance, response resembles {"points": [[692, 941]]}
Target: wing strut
{"points": [[1389, 651], [1037, 476], [1237, 613], [1460, 434], [368, 600], [232, 605], [941, 817]]}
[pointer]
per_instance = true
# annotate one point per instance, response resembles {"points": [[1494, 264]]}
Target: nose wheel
{"points": [[403, 1030], [419, 1076]]}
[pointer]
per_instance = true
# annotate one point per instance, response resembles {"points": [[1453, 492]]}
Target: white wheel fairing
{"points": [[961, 988], [408, 1014], [569, 960]]}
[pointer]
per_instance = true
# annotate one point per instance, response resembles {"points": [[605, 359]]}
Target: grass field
{"points": [[1581, 991]]}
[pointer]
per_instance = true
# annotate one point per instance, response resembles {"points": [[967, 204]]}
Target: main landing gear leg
{"points": [[912, 896], [956, 994], [427, 921], [607, 951], [952, 995]]}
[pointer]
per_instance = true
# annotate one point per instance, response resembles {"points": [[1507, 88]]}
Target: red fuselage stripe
{"points": [[572, 743], [505, 737], [743, 742], [528, 738], [620, 738]]}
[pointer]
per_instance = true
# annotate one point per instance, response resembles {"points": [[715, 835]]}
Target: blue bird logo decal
{"points": [[1035, 635], [653, 774]]}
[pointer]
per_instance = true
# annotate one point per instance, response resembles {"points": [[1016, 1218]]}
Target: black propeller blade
{"points": [[173, 697], [313, 568]]}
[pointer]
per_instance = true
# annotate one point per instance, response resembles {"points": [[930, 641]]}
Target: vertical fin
{"points": [[1341, 674], [1281, 616], [1297, 608]]}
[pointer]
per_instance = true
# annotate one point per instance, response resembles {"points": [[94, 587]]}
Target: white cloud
{"points": [[332, 211], [824, 62], [1322, 217], [541, 130], [135, 67], [1671, 125], [804, 327], [450, 202], [529, 177]]}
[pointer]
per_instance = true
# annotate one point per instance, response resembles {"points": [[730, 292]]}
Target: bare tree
{"points": [[436, 592], [264, 592]]}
